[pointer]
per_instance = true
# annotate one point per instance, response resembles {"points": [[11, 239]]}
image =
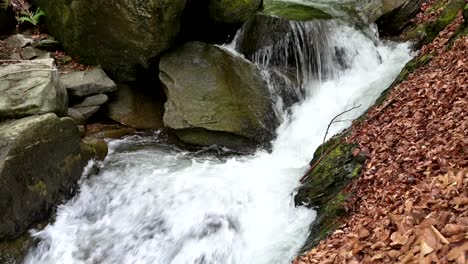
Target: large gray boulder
{"points": [[137, 106], [85, 83], [40, 161], [232, 11], [31, 88], [215, 97], [121, 36]]}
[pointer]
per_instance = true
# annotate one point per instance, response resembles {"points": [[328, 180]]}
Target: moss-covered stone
{"points": [[294, 11], [409, 68], [232, 11], [13, 252], [122, 36], [335, 167], [210, 88]]}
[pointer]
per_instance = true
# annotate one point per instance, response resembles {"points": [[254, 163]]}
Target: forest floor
{"points": [[410, 204]]}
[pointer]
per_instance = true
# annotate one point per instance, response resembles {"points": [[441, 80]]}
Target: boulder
{"points": [[137, 106], [232, 11], [18, 41], [122, 36], [77, 116], [93, 148], [396, 16], [294, 11], [85, 83], [40, 162], [94, 100], [215, 97], [31, 88], [87, 111]]}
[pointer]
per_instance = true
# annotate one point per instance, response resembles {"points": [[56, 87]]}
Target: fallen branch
{"points": [[333, 121]]}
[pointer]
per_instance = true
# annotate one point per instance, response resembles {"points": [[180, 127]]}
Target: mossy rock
{"points": [[123, 36], [331, 174], [294, 11], [13, 252], [323, 188], [232, 11]]}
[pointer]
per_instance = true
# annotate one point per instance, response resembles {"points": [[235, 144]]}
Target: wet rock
{"points": [[214, 97], [85, 83], [294, 11], [41, 162], [88, 111], [334, 168], [232, 11], [141, 31], [93, 148], [31, 88], [397, 16], [114, 131], [136, 106], [77, 116], [95, 100], [48, 44]]}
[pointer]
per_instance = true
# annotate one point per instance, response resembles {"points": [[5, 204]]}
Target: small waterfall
{"points": [[156, 205]]}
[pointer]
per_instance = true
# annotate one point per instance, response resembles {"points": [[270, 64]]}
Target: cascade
{"points": [[151, 203]]}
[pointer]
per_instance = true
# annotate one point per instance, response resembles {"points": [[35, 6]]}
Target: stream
{"points": [[152, 203]]}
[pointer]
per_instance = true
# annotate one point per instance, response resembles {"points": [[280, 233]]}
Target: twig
{"points": [[335, 121]]}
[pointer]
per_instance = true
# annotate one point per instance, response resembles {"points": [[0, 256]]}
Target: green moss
{"points": [[436, 6], [39, 188], [448, 15], [13, 251], [328, 219], [293, 11]]}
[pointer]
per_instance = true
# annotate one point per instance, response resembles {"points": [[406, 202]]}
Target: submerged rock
{"points": [[40, 163], [137, 106], [216, 97], [85, 83], [121, 36], [31, 88]]}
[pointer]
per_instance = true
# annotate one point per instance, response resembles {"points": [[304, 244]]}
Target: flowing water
{"points": [[154, 204]]}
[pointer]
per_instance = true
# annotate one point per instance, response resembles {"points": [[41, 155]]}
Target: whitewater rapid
{"points": [[151, 203]]}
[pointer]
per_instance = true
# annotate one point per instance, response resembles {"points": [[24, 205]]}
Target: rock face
{"points": [[397, 15], [137, 107], [120, 36], [85, 83], [7, 20], [39, 162], [232, 11], [31, 88], [215, 96]]}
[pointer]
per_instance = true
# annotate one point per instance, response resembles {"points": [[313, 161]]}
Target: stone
{"points": [[88, 111], [48, 44], [103, 131], [397, 16], [40, 163], [29, 53], [85, 83], [93, 148], [232, 11], [94, 100], [141, 30], [18, 41], [31, 88], [77, 116], [294, 11], [214, 97], [137, 106]]}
